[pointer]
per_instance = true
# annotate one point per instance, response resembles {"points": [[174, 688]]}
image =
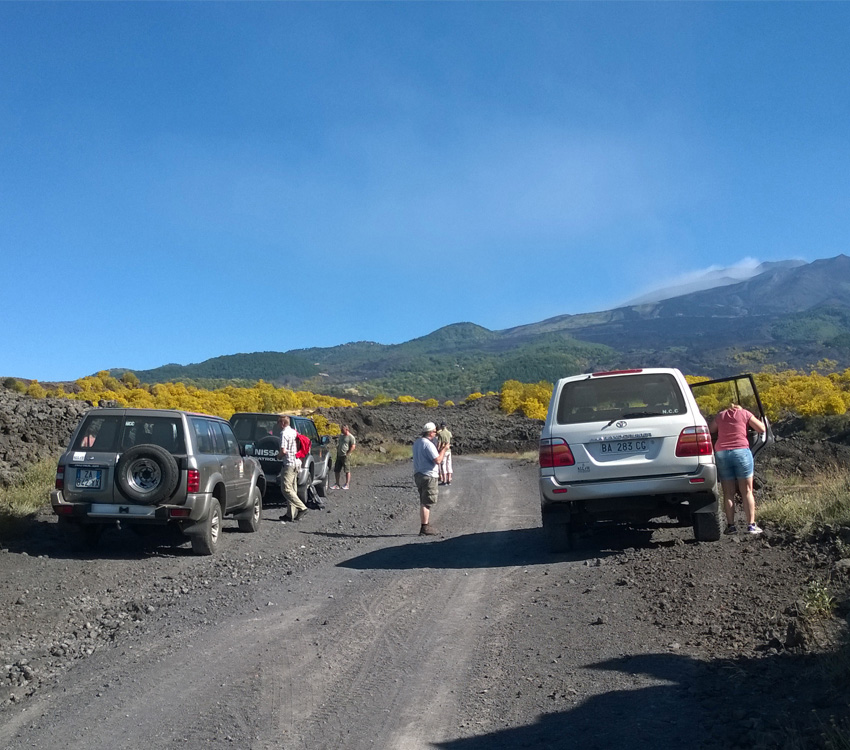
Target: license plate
{"points": [[88, 479], [622, 447]]}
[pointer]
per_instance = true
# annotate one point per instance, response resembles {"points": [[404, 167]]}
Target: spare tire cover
{"points": [[147, 474]]}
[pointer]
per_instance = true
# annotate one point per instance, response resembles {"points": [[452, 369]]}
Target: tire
{"points": [[303, 492], [268, 442], [708, 526], [250, 525], [558, 532], [147, 474], [325, 483], [206, 543]]}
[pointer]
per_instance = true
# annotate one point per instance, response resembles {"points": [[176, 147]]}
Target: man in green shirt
{"points": [[344, 448]]}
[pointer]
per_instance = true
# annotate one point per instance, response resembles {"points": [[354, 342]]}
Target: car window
{"points": [[714, 396], [243, 428], [107, 433], [595, 399], [252, 428], [231, 445], [99, 433], [308, 428], [203, 435], [166, 432], [219, 445]]}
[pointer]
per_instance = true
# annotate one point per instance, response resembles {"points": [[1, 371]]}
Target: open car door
{"points": [[715, 395]]}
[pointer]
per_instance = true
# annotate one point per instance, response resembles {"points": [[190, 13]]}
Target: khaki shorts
{"points": [[427, 487]]}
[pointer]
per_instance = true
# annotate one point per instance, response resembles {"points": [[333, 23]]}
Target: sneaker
{"points": [[426, 530], [345, 487], [336, 487], [754, 529], [731, 529]]}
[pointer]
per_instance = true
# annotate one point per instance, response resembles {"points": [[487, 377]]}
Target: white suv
{"points": [[630, 445]]}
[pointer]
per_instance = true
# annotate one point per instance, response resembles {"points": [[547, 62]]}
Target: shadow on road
{"points": [[60, 542], [715, 704], [491, 549]]}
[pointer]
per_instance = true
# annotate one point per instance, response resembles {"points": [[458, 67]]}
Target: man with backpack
{"points": [[289, 448]]}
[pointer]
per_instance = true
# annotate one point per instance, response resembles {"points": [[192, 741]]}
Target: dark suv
{"points": [[144, 467], [259, 436]]}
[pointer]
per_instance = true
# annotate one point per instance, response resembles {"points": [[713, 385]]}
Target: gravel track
{"points": [[348, 630]]}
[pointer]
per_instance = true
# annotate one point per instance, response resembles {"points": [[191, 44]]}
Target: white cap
{"points": [[429, 427]]}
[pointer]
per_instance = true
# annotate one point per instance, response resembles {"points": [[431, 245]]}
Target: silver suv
{"points": [[631, 445], [147, 467]]}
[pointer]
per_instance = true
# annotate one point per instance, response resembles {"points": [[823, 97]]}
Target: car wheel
{"points": [[708, 526], [303, 492], [558, 532], [325, 483], [147, 474], [206, 543], [253, 523]]}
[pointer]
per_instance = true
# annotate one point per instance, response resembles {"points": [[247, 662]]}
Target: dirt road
{"points": [[346, 630]]}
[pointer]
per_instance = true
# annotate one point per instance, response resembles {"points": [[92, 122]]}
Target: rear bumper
{"points": [[196, 508], [640, 494]]}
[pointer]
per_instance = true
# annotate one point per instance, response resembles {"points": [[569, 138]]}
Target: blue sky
{"points": [[180, 181]]}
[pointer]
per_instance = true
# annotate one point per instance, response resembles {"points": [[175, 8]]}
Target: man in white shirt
{"points": [[426, 471], [289, 470]]}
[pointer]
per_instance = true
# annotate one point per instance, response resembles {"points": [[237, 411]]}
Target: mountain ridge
{"points": [[790, 315]]}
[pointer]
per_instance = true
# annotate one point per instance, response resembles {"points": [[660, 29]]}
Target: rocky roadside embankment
{"points": [[33, 429], [477, 427]]}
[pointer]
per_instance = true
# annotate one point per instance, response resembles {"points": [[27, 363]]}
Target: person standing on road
{"points": [[735, 462], [444, 438], [426, 462], [344, 448], [289, 470]]}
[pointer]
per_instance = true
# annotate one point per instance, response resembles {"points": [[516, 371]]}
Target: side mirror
{"points": [[248, 449], [325, 439]]}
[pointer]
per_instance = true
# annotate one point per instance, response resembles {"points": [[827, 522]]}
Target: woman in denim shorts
{"points": [[735, 462]]}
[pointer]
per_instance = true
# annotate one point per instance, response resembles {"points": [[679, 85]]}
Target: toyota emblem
{"points": [[621, 424]]}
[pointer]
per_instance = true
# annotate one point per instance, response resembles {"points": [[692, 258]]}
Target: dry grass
{"points": [[800, 507], [26, 496]]}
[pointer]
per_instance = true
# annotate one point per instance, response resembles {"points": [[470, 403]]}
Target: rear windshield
{"points": [[254, 428], [113, 434], [620, 397]]}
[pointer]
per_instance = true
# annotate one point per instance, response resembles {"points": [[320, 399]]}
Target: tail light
{"points": [[60, 478], [555, 452], [694, 441], [193, 481]]}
